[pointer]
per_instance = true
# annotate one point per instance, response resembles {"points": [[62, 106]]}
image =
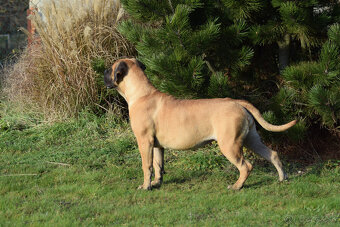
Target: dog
{"points": [[159, 121]]}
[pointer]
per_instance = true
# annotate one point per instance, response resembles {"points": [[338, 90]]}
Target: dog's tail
{"points": [[257, 115]]}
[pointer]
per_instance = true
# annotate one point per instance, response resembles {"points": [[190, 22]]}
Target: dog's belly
{"points": [[203, 143], [183, 144]]}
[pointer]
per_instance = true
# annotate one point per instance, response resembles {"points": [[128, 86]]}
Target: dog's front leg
{"points": [[145, 146]]}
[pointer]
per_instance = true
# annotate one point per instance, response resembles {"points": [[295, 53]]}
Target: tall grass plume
{"points": [[56, 72]]}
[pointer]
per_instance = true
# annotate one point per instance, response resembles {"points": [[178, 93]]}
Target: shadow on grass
{"points": [[187, 176], [264, 174], [296, 169], [258, 184]]}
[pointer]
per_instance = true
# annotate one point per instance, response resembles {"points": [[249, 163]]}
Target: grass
{"points": [[85, 173]]}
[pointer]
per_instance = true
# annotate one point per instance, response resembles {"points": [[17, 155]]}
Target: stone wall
{"points": [[13, 16]]}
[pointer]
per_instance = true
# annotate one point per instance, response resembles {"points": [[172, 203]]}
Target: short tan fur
{"points": [[160, 121]]}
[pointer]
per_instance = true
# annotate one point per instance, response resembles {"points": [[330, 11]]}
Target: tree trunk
{"points": [[284, 52]]}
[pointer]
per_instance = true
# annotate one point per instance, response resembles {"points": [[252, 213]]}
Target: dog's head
{"points": [[114, 76]]}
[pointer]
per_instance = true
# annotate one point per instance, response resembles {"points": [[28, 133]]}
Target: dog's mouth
{"points": [[111, 87]]}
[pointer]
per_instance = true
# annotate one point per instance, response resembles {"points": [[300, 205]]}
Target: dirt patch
{"points": [[318, 145]]}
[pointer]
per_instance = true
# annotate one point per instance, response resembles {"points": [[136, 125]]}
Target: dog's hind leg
{"points": [[158, 166], [254, 143], [232, 151]]}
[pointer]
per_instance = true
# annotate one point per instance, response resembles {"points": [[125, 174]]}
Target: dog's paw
{"points": [[233, 187], [156, 184], [283, 178], [148, 187]]}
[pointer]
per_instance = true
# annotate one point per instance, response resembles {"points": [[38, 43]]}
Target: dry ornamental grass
{"points": [[55, 73]]}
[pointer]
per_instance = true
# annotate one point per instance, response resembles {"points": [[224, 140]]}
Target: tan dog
{"points": [[161, 121]]}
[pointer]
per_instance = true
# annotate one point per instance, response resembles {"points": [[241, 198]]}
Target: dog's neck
{"points": [[139, 86]]}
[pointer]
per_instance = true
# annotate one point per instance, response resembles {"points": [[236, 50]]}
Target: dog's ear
{"points": [[141, 65], [120, 71]]}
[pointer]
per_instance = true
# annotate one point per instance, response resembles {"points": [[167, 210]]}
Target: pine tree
{"points": [[284, 22], [312, 89], [188, 45], [196, 48]]}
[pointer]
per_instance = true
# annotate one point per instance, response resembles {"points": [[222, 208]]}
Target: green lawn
{"points": [[85, 172]]}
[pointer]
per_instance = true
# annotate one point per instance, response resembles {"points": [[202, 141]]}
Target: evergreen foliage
{"points": [[186, 46], [196, 48], [286, 22], [312, 89]]}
